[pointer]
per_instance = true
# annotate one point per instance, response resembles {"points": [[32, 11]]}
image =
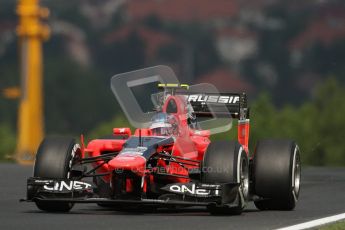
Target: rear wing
{"points": [[212, 103], [218, 104]]}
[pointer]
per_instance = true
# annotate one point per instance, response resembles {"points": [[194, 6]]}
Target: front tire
{"points": [[277, 174], [230, 157], [54, 160]]}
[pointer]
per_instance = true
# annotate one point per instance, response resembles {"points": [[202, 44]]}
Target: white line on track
{"points": [[314, 223]]}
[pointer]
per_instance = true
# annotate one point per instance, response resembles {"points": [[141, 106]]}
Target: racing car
{"points": [[170, 162]]}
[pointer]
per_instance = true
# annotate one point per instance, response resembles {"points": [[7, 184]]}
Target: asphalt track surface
{"points": [[322, 194]]}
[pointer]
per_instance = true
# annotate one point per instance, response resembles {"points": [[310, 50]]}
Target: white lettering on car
{"points": [[213, 99], [193, 190], [67, 185]]}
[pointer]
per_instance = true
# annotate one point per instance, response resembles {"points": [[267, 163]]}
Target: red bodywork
{"points": [[189, 147]]}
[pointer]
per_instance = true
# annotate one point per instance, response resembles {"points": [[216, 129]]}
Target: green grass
{"points": [[335, 226]]}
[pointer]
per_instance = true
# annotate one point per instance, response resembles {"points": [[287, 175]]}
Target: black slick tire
{"points": [[54, 160], [227, 162], [277, 173]]}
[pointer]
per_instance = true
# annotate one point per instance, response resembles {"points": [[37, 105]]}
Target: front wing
{"points": [[181, 194]]}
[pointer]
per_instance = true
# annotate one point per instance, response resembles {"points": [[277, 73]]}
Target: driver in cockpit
{"points": [[163, 124]]}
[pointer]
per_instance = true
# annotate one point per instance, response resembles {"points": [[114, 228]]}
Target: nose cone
{"points": [[134, 163]]}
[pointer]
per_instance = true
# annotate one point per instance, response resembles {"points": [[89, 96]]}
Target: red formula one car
{"points": [[171, 162]]}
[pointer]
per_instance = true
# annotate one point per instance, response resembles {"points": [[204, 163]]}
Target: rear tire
{"points": [[54, 160], [277, 174], [232, 159]]}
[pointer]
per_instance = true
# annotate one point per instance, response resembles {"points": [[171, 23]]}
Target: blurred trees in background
{"points": [[8, 141], [317, 126], [278, 51]]}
